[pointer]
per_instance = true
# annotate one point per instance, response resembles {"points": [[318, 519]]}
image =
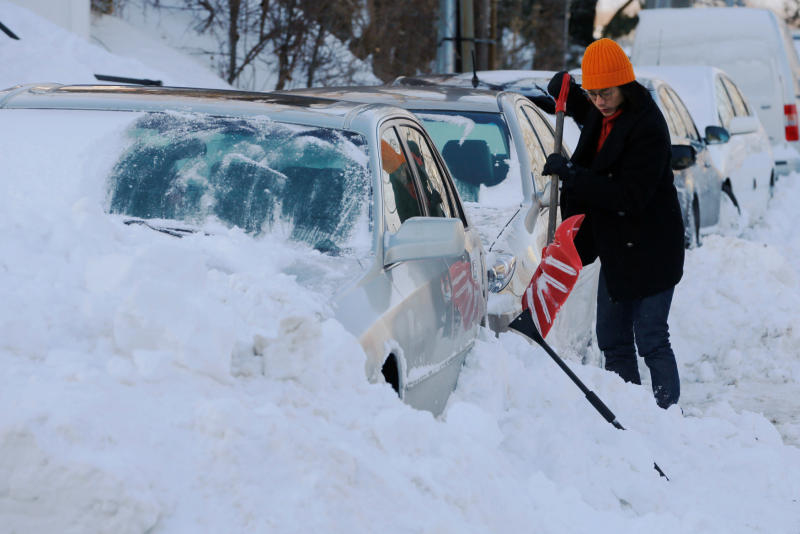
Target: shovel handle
{"points": [[561, 107]]}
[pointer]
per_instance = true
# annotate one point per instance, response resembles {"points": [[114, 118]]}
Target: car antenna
{"points": [[475, 80]]}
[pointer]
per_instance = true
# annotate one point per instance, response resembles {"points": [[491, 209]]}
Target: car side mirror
{"points": [[539, 200], [716, 135], [421, 238], [683, 156], [743, 125]]}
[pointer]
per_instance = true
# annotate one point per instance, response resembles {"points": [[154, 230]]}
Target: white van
{"points": [[752, 45]]}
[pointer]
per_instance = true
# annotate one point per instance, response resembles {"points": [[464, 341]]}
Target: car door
{"points": [[432, 331], [439, 200]]}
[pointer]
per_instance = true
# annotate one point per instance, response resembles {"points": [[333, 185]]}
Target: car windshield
{"points": [[310, 184], [476, 148]]}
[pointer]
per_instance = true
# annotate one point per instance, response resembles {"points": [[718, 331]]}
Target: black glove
{"points": [[576, 102], [554, 87], [558, 164]]}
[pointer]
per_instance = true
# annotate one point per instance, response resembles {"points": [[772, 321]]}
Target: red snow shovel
{"points": [[550, 286]]}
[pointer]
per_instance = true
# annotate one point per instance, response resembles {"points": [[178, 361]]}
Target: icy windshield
{"points": [[477, 149], [310, 184]]}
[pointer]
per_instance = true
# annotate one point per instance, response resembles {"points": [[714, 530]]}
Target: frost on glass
{"points": [[476, 147], [311, 184]]}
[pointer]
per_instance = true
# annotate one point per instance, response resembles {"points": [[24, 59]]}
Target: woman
{"points": [[620, 177]]}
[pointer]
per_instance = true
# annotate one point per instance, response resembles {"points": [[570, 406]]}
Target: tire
{"points": [[391, 374]]}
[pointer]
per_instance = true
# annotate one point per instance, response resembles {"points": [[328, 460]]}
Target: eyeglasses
{"points": [[605, 94]]}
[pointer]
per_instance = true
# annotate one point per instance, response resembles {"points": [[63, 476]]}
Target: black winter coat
{"points": [[633, 218]]}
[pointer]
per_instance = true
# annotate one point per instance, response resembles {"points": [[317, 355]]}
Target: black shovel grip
{"points": [[604, 410]]}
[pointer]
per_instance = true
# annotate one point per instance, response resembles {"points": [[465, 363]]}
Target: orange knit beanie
{"points": [[605, 65]]}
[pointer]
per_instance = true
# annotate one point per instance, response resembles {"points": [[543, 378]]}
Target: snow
{"points": [[162, 385]]}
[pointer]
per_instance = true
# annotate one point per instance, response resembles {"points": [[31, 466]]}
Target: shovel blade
{"points": [[555, 276]]}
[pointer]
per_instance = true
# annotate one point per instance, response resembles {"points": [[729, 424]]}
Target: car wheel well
{"points": [[391, 372]]}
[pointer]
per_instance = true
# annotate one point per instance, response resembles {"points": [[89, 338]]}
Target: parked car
{"points": [[751, 45], [495, 144], [362, 188], [736, 139]]}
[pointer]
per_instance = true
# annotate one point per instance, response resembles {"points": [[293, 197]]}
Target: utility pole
{"points": [[467, 34], [446, 49]]}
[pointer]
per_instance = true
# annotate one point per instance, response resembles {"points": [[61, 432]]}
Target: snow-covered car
{"points": [[495, 144], [360, 190], [736, 139]]}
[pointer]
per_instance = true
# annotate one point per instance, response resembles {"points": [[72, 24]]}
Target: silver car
{"points": [[495, 144], [363, 185], [698, 181]]}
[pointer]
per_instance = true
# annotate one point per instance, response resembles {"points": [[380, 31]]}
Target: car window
{"points": [[684, 115], [477, 148], [434, 193], [739, 106], [311, 183], [675, 125], [536, 151], [400, 196], [724, 106]]}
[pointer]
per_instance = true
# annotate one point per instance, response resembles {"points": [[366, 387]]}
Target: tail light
{"points": [[790, 111]]}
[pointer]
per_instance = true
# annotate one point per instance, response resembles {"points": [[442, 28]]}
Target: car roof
{"points": [[430, 97], [301, 109], [694, 85]]}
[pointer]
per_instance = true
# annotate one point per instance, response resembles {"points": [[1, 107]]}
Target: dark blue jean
{"points": [[644, 321]]}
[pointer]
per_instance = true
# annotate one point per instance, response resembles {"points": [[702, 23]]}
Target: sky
{"points": [[156, 385]]}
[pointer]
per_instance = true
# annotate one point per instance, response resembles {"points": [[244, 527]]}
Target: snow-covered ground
{"points": [[157, 385]]}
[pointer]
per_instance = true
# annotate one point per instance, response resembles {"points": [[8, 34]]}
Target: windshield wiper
{"points": [[169, 230]]}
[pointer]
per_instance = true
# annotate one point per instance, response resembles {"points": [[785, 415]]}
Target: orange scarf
{"points": [[605, 129]]}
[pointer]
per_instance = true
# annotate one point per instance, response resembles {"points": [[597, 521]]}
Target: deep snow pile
{"points": [[162, 385]]}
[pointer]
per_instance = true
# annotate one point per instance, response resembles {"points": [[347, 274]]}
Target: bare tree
{"points": [[290, 37], [399, 37]]}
